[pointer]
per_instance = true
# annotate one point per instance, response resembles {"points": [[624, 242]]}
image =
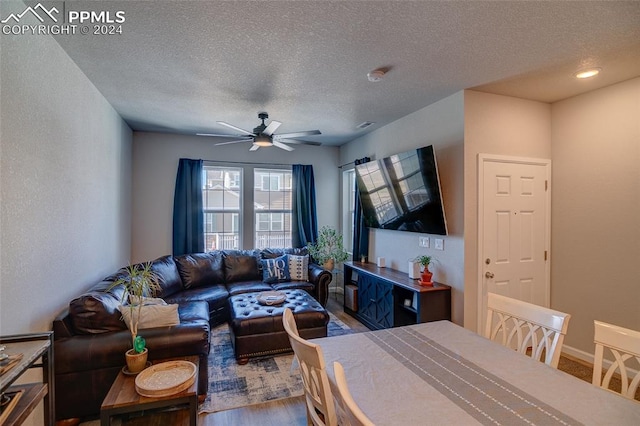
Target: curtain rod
{"points": [[354, 162], [248, 163]]}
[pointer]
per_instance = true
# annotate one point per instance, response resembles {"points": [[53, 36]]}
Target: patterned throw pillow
{"points": [[275, 270], [299, 267]]}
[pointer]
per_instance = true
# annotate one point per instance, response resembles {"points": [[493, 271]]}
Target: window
{"points": [[272, 204], [222, 202], [227, 214], [348, 208], [375, 181]]}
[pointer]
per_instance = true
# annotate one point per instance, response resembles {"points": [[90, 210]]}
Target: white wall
{"points": [[501, 125], [596, 210], [65, 168], [65, 173], [440, 125], [155, 164]]}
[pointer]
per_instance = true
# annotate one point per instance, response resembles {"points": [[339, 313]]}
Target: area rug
{"points": [[262, 379]]}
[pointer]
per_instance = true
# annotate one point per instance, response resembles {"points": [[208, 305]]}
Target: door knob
{"points": [[488, 274]]}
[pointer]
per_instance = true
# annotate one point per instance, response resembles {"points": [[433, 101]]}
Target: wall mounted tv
{"points": [[402, 192]]}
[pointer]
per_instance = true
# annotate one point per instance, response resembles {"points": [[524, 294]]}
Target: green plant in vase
{"points": [[139, 281], [426, 276], [328, 249]]}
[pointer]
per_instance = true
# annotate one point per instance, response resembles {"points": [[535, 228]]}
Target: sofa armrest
{"points": [[321, 278], [62, 326]]}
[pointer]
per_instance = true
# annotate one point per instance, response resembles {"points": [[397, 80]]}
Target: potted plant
{"points": [[425, 261], [328, 249], [139, 281]]}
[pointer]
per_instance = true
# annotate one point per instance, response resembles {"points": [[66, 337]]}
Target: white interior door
{"points": [[514, 226]]}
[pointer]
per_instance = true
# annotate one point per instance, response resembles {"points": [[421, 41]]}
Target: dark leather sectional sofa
{"points": [[90, 337]]}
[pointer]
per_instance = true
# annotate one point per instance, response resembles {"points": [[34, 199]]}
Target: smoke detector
{"points": [[376, 75]]}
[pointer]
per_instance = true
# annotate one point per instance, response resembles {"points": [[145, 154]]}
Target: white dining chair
{"points": [[624, 345], [349, 414], [522, 326], [317, 391]]}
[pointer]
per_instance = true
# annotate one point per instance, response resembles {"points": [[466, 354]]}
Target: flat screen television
{"points": [[402, 192]]}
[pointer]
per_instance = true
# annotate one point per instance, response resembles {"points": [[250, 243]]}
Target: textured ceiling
{"points": [[181, 66]]}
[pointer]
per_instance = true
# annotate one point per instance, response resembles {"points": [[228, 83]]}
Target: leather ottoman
{"points": [[257, 329]]}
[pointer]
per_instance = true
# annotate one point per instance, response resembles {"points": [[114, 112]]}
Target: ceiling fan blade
{"points": [[231, 126], [298, 134], [222, 136], [254, 147], [271, 127], [299, 142], [236, 141], [282, 146]]}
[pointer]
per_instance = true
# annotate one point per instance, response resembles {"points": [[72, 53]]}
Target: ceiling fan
{"points": [[263, 135]]}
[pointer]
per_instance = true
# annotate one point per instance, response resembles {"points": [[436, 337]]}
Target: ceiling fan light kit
{"points": [[264, 136], [262, 140]]}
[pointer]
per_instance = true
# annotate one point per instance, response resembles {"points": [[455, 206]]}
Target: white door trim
{"points": [[482, 290]]}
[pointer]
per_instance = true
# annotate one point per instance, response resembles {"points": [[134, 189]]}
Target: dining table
{"points": [[439, 373]]}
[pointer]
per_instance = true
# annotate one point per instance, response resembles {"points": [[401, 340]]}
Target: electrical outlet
{"points": [[423, 242], [438, 244]]}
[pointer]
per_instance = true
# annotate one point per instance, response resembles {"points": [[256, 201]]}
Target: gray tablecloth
{"points": [[441, 374]]}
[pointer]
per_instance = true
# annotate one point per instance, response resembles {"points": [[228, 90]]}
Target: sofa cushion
{"points": [[299, 267], [97, 310], [168, 277], [242, 265], [275, 270], [199, 269], [215, 296], [294, 285], [248, 287]]}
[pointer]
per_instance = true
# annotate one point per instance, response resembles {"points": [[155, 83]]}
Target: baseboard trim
{"points": [[579, 354]]}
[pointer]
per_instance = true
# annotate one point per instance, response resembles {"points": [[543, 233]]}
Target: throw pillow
{"points": [[152, 315], [275, 270], [299, 267], [134, 300]]}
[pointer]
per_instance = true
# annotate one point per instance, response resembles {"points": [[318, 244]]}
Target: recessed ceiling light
{"points": [[587, 73]]}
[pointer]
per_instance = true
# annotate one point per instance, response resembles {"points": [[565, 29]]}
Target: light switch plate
{"points": [[438, 244], [423, 242]]}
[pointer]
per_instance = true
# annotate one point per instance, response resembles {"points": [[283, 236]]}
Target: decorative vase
{"points": [[414, 270], [136, 362], [425, 277], [329, 265]]}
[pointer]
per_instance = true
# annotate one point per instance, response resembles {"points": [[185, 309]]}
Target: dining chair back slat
{"points": [[526, 327], [319, 399], [624, 345]]}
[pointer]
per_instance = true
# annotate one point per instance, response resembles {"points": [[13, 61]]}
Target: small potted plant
{"points": [[425, 261], [328, 249], [139, 281]]}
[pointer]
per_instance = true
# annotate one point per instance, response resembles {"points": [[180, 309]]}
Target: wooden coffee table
{"points": [[123, 398]]}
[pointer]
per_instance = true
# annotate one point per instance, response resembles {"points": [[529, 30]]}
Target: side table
{"points": [[34, 347], [123, 398]]}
